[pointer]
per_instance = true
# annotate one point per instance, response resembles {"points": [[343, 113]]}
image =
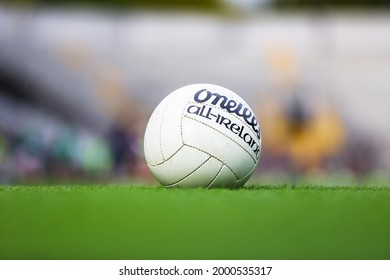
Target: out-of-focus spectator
{"points": [[302, 130], [3, 151], [61, 162], [119, 146], [2, 147], [94, 156], [306, 136], [123, 139], [30, 154], [361, 156]]}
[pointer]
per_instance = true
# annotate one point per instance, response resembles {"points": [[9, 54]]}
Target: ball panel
{"points": [[180, 165], [203, 176], [171, 139], [218, 145], [225, 179], [242, 181], [152, 143]]}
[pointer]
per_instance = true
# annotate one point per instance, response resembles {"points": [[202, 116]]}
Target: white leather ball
{"points": [[202, 135]]}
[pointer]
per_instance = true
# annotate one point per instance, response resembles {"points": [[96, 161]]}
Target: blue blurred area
{"points": [[77, 88]]}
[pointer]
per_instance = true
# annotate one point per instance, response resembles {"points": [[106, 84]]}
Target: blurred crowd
{"points": [[302, 139], [76, 90], [41, 149]]}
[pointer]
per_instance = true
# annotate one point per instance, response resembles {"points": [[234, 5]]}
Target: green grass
{"points": [[106, 222]]}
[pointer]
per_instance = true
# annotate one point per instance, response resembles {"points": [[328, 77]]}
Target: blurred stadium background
{"points": [[78, 82]]}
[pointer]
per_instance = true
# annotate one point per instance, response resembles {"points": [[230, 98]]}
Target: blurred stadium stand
{"points": [[77, 86]]}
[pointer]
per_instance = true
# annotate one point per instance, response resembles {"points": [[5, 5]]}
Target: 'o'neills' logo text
{"points": [[230, 106]]}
